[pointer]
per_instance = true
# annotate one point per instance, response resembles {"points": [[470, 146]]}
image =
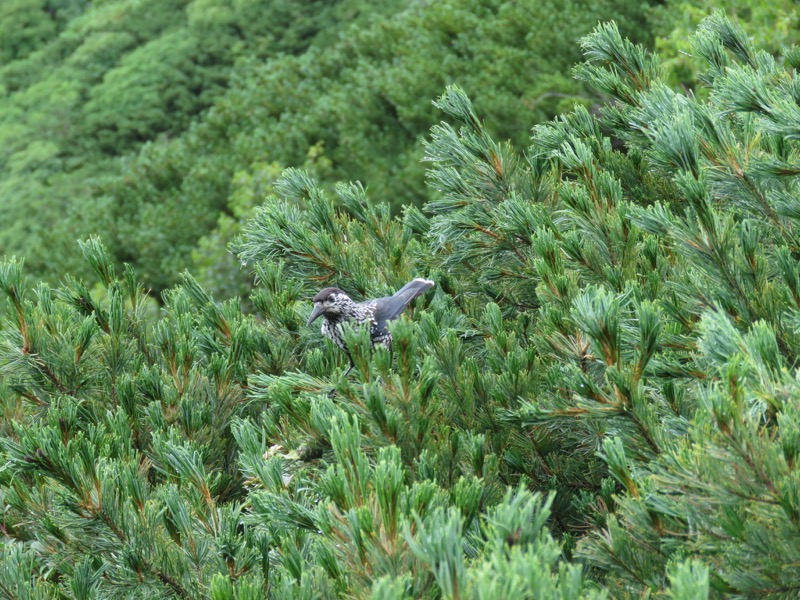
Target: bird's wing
{"points": [[388, 308]]}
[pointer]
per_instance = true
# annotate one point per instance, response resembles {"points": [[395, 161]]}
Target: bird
{"points": [[337, 308]]}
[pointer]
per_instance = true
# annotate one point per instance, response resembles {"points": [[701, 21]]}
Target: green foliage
{"points": [[197, 95], [87, 83], [352, 111], [156, 89], [126, 451], [643, 312], [771, 26], [598, 399], [728, 306], [27, 24], [127, 436]]}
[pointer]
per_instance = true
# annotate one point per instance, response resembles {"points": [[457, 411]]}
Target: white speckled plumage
{"points": [[337, 308]]}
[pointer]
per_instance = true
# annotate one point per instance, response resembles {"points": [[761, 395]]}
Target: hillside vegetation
{"points": [[105, 85], [146, 121], [597, 400]]}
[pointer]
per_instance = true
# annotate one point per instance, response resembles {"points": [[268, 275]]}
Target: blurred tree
{"points": [[24, 26], [96, 82], [770, 25]]}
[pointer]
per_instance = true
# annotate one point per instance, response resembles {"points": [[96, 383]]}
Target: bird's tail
{"points": [[413, 289], [390, 307]]}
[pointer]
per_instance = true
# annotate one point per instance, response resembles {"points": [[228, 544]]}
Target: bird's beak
{"points": [[315, 313]]}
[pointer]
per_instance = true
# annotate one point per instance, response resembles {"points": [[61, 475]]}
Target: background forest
{"points": [[599, 398]]}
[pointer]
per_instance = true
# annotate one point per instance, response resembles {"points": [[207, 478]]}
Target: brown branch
{"points": [[176, 587]]}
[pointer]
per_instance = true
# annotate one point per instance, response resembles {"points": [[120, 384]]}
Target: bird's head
{"points": [[329, 302]]}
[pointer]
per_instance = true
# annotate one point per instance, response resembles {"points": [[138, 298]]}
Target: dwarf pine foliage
{"points": [[598, 400]]}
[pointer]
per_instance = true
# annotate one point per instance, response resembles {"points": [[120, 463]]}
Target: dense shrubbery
{"points": [[599, 399]]}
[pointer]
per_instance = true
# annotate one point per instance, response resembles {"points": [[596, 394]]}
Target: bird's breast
{"points": [[335, 331]]}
